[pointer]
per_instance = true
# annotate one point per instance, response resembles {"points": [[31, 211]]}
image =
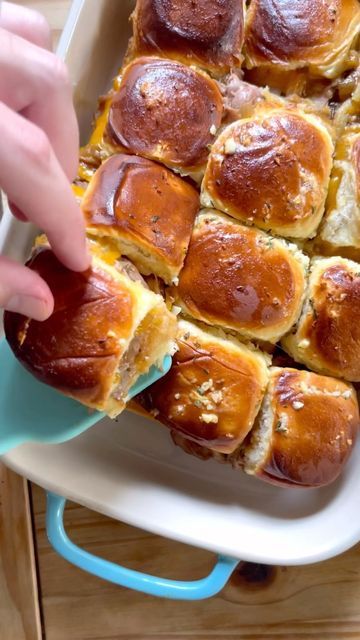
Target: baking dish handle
{"points": [[161, 587]]}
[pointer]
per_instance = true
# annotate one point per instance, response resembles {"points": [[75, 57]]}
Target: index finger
{"points": [[36, 83], [33, 180], [26, 23]]}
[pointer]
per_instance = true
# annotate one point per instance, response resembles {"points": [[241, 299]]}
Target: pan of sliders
{"points": [[220, 167]]}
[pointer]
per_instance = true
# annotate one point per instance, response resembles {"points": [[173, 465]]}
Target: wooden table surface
{"points": [[59, 602]]}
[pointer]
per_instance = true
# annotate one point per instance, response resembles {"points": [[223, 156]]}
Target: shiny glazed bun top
{"points": [[307, 428], [77, 348], [206, 32], [107, 328], [327, 337], [271, 170], [240, 278], [146, 209], [166, 111], [290, 34], [213, 391]]}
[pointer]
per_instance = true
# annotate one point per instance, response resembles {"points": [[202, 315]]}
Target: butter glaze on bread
{"points": [[208, 33], [213, 391], [106, 331], [319, 35], [306, 430], [327, 337], [271, 170], [147, 210], [165, 111], [242, 279]]}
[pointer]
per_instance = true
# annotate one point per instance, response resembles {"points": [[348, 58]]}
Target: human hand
{"points": [[38, 154]]}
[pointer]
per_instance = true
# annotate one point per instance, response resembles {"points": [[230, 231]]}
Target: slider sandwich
{"points": [[107, 329]]}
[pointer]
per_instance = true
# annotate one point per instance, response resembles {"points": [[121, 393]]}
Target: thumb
{"points": [[23, 291]]}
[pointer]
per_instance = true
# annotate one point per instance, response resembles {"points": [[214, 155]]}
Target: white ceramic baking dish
{"points": [[129, 469]]}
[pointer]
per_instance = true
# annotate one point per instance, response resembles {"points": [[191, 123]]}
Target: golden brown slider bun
{"points": [[208, 33], [240, 278], [165, 111], [340, 229], [327, 337], [213, 391], [271, 170], [305, 431], [106, 331], [147, 210], [317, 35]]}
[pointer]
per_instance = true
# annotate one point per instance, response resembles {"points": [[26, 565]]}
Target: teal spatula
{"points": [[32, 411]]}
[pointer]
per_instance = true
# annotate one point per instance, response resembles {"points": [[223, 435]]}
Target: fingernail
{"points": [[29, 306]]}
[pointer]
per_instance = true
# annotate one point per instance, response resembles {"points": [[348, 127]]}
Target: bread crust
{"points": [[271, 170], [208, 33], [242, 279], [147, 210], [213, 391], [98, 316], [312, 423], [316, 35], [165, 111], [327, 337]]}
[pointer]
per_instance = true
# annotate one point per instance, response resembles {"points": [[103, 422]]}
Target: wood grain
{"points": [[318, 602], [19, 606]]}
